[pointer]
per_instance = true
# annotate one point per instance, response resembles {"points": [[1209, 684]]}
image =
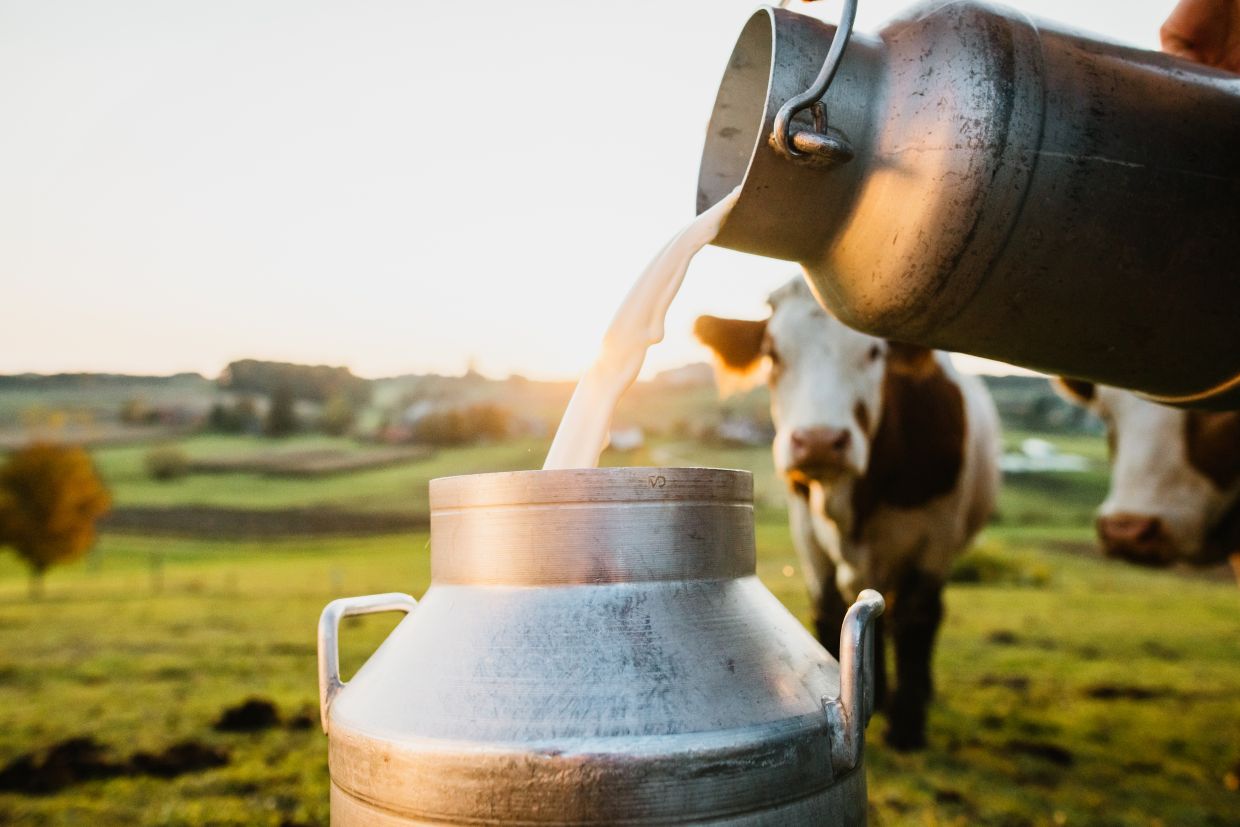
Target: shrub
{"points": [[462, 426], [241, 417], [281, 417], [166, 463], [338, 415], [985, 564]]}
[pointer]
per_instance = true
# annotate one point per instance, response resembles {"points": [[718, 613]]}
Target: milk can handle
{"points": [[820, 145], [848, 714], [329, 634]]}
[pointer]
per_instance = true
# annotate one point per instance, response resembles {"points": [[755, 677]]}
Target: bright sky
{"points": [[397, 186]]}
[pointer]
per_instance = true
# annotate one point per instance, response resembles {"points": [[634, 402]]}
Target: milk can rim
{"points": [[593, 485]]}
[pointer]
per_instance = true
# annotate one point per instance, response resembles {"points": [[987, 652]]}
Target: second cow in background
{"points": [[890, 460], [1175, 479]]}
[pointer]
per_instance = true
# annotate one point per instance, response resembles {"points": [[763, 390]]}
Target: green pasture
{"points": [[395, 488], [1070, 690]]}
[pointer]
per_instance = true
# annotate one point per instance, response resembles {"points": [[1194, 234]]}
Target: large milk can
{"points": [[973, 179], [595, 648]]}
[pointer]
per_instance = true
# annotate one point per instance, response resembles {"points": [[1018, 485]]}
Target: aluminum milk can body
{"points": [[1016, 190], [594, 648]]}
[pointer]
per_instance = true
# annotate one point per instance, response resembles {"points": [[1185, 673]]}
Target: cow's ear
{"points": [[1213, 446], [737, 346], [1080, 391]]}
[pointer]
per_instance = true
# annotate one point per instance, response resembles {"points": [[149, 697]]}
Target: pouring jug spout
{"points": [[971, 179]]}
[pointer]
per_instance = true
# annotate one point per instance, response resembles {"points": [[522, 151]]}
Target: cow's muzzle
{"points": [[1136, 538], [820, 452]]}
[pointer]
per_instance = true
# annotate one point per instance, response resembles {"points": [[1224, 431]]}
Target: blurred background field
{"points": [[1070, 690]]}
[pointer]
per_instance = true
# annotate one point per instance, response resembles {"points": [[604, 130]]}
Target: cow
{"points": [[890, 459], [1175, 479]]}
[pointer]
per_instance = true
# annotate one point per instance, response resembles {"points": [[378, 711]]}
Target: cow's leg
{"points": [[1235, 566], [880, 663], [829, 617], [819, 569], [916, 613]]}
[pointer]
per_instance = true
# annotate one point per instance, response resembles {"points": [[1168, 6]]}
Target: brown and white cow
{"points": [[1175, 479], [890, 459]]}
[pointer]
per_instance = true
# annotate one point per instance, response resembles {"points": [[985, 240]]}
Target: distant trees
{"points": [[50, 498], [338, 415], [459, 426], [336, 389], [238, 418], [1029, 403], [137, 411], [281, 416], [315, 383]]}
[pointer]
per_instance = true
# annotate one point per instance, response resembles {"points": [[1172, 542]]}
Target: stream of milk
{"points": [[637, 325]]}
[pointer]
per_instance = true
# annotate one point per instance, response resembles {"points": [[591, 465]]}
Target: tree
{"points": [[50, 498], [315, 383], [338, 415], [281, 418], [238, 418]]}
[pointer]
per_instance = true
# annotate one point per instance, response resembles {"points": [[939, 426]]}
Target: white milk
{"points": [[638, 324]]}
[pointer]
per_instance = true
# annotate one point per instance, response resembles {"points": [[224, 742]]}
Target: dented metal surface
{"points": [[1018, 191], [595, 648]]}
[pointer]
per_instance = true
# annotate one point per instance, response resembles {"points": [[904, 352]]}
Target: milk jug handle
{"points": [[820, 146], [329, 635], [848, 714]]}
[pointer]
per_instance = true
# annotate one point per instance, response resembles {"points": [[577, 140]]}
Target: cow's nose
{"points": [[1135, 537], [819, 448]]}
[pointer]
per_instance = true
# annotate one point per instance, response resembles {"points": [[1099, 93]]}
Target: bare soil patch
{"points": [[80, 759], [1043, 750], [251, 715], [1125, 692]]}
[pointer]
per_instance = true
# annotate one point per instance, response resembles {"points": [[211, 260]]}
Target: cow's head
{"points": [[826, 381], [1175, 478]]}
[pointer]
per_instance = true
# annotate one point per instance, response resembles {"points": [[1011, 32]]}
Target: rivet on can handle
{"points": [[329, 635], [848, 714], [823, 147]]}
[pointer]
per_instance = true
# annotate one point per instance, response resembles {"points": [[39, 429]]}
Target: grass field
{"points": [[1070, 690]]}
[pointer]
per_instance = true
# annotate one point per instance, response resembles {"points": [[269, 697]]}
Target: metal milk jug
{"points": [[595, 648], [972, 179]]}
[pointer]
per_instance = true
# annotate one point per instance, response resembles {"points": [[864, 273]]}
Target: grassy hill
{"points": [[1070, 690]]}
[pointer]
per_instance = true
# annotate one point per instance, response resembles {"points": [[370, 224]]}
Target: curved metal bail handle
{"points": [[830, 148], [329, 634], [850, 712]]}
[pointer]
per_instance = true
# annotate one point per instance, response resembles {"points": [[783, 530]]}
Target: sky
{"points": [[395, 186]]}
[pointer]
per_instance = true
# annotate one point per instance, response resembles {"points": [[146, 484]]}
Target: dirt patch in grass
{"points": [[1125, 692], [80, 759], [1016, 683], [247, 524], [178, 759], [1042, 750], [251, 715]]}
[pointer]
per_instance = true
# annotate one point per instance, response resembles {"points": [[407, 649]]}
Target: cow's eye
{"points": [[875, 352]]}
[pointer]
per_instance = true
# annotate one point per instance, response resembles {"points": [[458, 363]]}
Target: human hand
{"points": [[1207, 31]]}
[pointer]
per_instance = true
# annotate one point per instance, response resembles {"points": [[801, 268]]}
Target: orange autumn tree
{"points": [[50, 498]]}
